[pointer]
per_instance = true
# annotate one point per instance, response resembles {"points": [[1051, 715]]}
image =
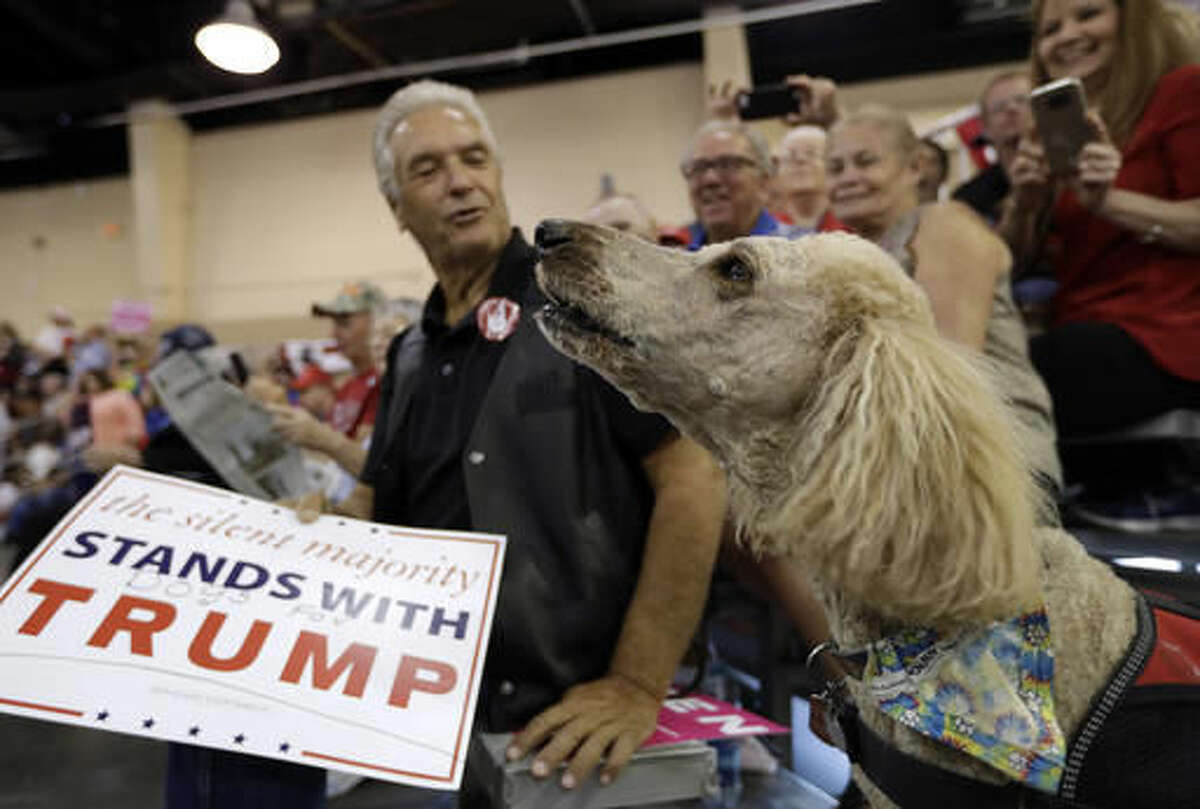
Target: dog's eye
{"points": [[735, 270]]}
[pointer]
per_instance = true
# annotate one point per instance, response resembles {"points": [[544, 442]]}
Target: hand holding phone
{"points": [[1060, 113]]}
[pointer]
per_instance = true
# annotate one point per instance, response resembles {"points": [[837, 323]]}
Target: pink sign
{"points": [[130, 317], [703, 718]]}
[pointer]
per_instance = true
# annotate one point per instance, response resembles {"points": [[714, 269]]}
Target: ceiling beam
{"points": [[506, 57], [352, 43], [585, 19], [78, 47]]}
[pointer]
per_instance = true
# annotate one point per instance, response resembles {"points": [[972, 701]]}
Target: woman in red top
{"points": [[1124, 229]]}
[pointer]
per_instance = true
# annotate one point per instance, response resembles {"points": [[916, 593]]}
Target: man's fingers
{"points": [[538, 729], [589, 755], [309, 506], [622, 750], [562, 745]]}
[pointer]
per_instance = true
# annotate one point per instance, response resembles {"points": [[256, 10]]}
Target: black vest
{"points": [[542, 467]]}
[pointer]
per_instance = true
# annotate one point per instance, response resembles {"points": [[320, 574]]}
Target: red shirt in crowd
{"points": [[355, 403], [1109, 274]]}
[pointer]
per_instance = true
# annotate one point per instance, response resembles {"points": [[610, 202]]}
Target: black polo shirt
{"points": [[425, 485], [985, 191]]}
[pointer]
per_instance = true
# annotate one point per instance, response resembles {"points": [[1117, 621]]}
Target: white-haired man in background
{"points": [[802, 199], [727, 167], [613, 518]]}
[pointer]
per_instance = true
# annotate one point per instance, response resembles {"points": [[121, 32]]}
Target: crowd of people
{"points": [[467, 419]]}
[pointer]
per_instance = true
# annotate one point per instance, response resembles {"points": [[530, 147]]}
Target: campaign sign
{"points": [[163, 608], [703, 718]]}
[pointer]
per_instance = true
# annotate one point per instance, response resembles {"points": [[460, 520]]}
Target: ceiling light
{"points": [[236, 42]]}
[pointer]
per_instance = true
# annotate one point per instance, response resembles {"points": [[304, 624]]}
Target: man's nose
{"points": [[710, 177], [458, 179]]}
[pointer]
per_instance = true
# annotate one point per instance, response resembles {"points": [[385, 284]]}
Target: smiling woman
{"points": [[1122, 227]]}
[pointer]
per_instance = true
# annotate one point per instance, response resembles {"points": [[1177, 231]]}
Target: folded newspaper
{"points": [[229, 429], [672, 772]]}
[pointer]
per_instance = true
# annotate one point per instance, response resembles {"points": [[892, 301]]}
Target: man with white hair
{"points": [[727, 167], [799, 178], [613, 518]]}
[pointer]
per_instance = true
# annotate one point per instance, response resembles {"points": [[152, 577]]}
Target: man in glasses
{"points": [[727, 167], [1004, 113]]}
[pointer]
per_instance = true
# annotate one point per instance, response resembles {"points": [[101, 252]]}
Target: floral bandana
{"points": [[985, 692]]}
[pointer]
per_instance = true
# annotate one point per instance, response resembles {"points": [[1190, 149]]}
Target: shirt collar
{"points": [[765, 225], [509, 280]]}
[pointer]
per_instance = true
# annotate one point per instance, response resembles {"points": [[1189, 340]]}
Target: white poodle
{"points": [[859, 441]]}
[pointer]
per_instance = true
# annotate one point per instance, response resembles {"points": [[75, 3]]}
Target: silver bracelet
{"points": [[1153, 235]]}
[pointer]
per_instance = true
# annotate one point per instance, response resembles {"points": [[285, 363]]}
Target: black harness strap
{"points": [[911, 782]]}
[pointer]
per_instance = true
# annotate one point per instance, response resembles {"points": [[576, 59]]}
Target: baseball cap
{"points": [[188, 337], [311, 375], [356, 296]]}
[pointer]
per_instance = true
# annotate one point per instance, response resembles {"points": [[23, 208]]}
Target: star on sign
{"points": [[100, 717], [238, 739], [194, 730], [283, 748], [147, 723]]}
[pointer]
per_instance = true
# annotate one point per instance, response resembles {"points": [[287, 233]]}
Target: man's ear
{"points": [[398, 215]]}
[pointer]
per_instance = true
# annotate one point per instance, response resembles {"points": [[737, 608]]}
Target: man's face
{"points": [[800, 162], [450, 195], [726, 185], [1005, 114], [353, 334]]}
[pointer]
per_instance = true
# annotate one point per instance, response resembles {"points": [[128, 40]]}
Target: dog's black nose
{"points": [[551, 233]]}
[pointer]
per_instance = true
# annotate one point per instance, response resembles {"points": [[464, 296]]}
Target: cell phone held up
{"points": [[769, 101], [1060, 112]]}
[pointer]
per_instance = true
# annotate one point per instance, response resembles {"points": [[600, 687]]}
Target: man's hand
{"points": [[307, 506], [99, 458], [820, 105], [722, 102], [612, 715], [298, 426]]}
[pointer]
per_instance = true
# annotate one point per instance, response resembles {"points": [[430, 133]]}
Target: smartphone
{"points": [[1060, 112], [769, 101]]}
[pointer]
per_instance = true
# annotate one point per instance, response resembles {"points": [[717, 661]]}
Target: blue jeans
{"points": [[203, 778]]}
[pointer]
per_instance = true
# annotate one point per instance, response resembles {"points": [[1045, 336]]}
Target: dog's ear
{"points": [[915, 499]]}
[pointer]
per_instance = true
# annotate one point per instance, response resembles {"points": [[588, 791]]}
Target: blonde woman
{"points": [[1123, 230]]}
